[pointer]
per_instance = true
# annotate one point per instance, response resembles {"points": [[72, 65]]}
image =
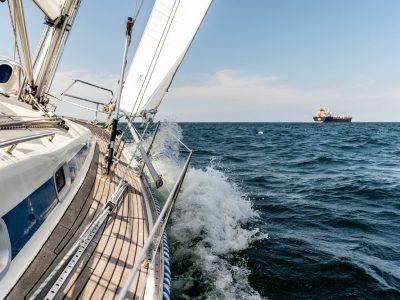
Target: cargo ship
{"points": [[324, 115]]}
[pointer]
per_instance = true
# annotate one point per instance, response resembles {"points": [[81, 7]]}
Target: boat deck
{"points": [[111, 254]]}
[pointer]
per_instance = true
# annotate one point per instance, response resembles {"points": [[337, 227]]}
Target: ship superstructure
{"points": [[324, 115]]}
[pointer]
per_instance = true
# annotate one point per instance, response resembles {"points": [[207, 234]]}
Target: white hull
{"points": [[29, 169]]}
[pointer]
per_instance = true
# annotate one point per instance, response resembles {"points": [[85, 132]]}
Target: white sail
{"points": [[165, 41], [51, 8]]}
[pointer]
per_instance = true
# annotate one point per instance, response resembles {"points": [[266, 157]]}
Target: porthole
{"points": [[62, 180], [5, 73], [59, 178]]}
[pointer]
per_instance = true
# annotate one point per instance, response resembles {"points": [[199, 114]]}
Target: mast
{"points": [[59, 18], [167, 37], [128, 38], [21, 26], [51, 50]]}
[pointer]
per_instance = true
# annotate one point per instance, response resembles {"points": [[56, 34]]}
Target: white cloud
{"points": [[230, 95], [233, 85], [364, 84]]}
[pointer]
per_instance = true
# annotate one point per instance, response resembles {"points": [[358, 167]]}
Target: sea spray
{"points": [[207, 226], [334, 226]]}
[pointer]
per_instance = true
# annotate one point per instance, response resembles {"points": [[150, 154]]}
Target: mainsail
{"points": [[51, 8], [165, 41]]}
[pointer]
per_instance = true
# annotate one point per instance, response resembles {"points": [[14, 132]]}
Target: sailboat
{"points": [[79, 217]]}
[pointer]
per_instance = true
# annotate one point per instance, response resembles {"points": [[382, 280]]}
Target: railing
{"points": [[67, 264], [61, 273], [15, 141], [75, 81], [155, 236], [97, 103], [157, 178]]}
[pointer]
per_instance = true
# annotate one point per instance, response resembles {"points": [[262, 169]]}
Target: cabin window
{"points": [[60, 179], [5, 73]]}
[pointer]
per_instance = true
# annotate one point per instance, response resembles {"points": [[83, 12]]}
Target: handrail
{"points": [[174, 193], [150, 146], [13, 142], [83, 99], [150, 248], [97, 103], [88, 83], [159, 227], [78, 105], [79, 247], [64, 93], [157, 178]]}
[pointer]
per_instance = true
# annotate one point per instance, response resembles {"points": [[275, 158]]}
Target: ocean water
{"points": [[285, 210]]}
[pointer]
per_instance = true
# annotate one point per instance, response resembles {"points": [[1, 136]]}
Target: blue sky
{"points": [[258, 60]]}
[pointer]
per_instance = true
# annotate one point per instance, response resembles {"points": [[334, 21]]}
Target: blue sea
{"points": [[285, 210]]}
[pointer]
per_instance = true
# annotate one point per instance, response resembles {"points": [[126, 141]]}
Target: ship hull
{"points": [[332, 119]]}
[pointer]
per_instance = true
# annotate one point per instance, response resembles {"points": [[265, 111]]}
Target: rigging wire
{"points": [[137, 146], [137, 9], [131, 116], [16, 47], [155, 58], [128, 165]]}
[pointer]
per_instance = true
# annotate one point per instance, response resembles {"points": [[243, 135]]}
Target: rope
{"points": [[41, 126], [137, 9], [43, 123], [16, 48]]}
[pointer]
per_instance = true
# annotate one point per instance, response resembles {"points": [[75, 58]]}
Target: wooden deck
{"points": [[111, 255]]}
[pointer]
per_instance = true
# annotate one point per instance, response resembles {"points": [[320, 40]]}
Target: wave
{"points": [[208, 227], [318, 160]]}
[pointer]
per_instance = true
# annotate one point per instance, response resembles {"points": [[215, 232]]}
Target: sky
{"points": [[252, 60]]}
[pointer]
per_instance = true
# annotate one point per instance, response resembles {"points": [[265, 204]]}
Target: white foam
{"points": [[207, 224]]}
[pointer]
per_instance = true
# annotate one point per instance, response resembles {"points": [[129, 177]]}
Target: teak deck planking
{"points": [[110, 256]]}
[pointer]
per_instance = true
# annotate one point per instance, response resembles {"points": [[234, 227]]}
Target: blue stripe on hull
{"points": [[24, 219]]}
